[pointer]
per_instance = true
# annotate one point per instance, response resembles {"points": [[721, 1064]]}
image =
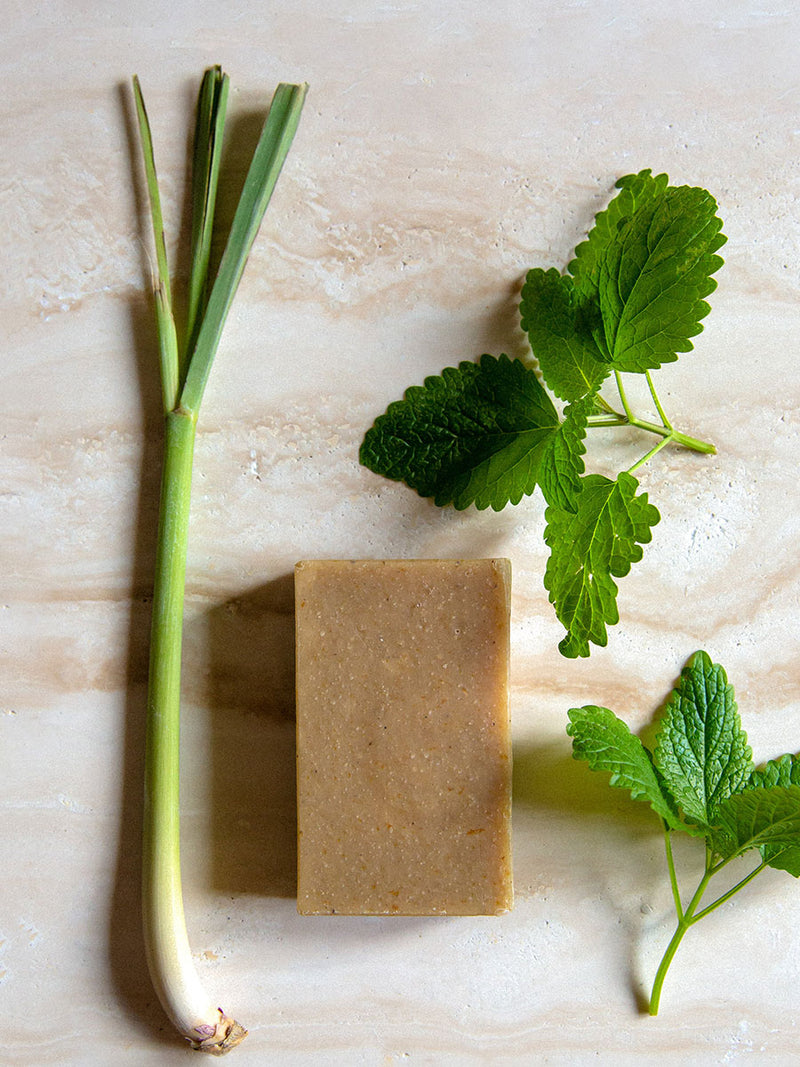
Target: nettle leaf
{"points": [[479, 433], [767, 817], [560, 335], [701, 749], [647, 266], [783, 771], [589, 547], [607, 744]]}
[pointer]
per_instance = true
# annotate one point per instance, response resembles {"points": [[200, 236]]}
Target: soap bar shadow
{"points": [[250, 694]]}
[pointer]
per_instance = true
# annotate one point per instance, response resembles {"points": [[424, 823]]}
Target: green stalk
{"points": [[172, 970], [664, 429], [167, 944], [691, 915], [685, 920]]}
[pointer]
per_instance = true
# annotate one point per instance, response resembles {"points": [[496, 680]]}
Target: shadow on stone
{"points": [[250, 696]]}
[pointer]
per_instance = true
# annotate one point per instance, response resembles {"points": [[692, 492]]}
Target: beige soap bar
{"points": [[403, 738]]}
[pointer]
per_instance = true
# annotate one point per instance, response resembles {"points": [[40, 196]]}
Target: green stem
{"points": [[664, 429], [621, 390], [730, 892], [691, 915], [673, 878], [685, 920], [649, 455], [168, 954], [663, 967], [656, 401]]}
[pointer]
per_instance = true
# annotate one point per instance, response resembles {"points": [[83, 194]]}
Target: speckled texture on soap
{"points": [[403, 737]]}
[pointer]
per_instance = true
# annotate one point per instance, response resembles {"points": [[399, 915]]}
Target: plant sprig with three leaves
{"points": [[700, 779], [488, 433]]}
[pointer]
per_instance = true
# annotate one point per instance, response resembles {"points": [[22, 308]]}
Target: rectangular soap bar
{"points": [[403, 737]]}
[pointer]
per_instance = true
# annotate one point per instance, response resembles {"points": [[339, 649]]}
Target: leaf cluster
{"points": [[185, 361], [699, 777], [488, 433]]}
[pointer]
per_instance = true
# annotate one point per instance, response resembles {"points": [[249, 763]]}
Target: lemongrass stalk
{"points": [[169, 957]]}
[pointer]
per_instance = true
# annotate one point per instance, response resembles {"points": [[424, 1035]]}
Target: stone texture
{"points": [[445, 149]]}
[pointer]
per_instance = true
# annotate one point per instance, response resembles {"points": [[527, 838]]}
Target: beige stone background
{"points": [[445, 148]]}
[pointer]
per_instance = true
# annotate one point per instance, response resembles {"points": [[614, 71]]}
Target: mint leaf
{"points": [[701, 749], [589, 547], [562, 464], [783, 771], [757, 818], [477, 434], [560, 335], [607, 744], [647, 267]]}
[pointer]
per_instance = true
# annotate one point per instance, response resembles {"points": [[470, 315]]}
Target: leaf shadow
{"points": [[500, 330], [250, 695], [612, 835]]}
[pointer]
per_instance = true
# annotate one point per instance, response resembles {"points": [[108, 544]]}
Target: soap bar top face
{"points": [[403, 737]]}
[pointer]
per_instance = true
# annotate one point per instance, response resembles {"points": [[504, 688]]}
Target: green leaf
{"points": [[209, 129], [588, 549], [268, 159], [647, 267], [607, 744], [169, 356], [757, 818], [480, 433], [783, 771], [562, 463], [701, 749], [560, 335]]}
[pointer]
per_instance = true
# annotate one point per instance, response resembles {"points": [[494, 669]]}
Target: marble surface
{"points": [[445, 148]]}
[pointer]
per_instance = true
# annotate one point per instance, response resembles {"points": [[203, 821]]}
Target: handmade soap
{"points": [[403, 738]]}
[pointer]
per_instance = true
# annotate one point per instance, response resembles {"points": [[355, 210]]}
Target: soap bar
{"points": [[403, 737]]}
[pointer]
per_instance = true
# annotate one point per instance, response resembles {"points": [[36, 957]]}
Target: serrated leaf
{"points": [[562, 462], [588, 549], [701, 749], [757, 818], [607, 744], [647, 265], [560, 335], [783, 771], [477, 434]]}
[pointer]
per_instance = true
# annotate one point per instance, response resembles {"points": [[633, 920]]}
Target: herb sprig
{"points": [[488, 433], [700, 779]]}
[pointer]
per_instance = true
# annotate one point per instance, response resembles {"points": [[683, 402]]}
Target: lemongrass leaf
{"points": [[165, 319], [211, 111], [168, 351], [270, 154]]}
